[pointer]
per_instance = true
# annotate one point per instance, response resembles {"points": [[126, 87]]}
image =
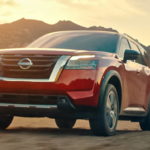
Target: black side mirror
{"points": [[130, 55]]}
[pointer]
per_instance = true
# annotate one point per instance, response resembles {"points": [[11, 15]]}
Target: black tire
{"points": [[65, 123], [145, 123], [5, 121], [105, 121]]}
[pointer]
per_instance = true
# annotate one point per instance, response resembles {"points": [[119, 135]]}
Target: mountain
{"points": [[22, 32]]}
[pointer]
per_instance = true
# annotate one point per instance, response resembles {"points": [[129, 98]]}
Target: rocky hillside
{"points": [[22, 32]]}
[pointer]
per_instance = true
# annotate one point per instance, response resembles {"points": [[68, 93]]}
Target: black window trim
{"points": [[139, 45], [119, 45], [135, 43]]}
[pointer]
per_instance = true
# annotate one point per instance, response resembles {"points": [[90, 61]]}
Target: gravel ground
{"points": [[42, 134]]}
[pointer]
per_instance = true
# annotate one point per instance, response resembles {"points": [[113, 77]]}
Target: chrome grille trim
{"points": [[9, 65], [58, 68], [53, 76]]}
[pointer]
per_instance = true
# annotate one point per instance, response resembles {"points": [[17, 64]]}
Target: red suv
{"points": [[70, 75]]}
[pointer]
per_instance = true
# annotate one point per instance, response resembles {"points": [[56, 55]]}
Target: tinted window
{"points": [[144, 54], [123, 46], [140, 59], [134, 46], [92, 41]]}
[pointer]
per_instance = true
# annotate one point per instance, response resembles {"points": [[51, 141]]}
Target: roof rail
{"points": [[136, 40], [132, 38]]}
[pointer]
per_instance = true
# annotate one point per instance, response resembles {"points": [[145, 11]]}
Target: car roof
{"points": [[89, 31]]}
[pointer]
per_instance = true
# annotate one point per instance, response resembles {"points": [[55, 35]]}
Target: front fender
{"points": [[112, 74]]}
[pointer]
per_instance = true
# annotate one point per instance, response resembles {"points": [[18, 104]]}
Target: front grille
{"points": [[41, 68], [29, 99]]}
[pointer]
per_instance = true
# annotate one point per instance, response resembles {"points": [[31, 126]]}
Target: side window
{"points": [[134, 46], [140, 59], [123, 46], [145, 55]]}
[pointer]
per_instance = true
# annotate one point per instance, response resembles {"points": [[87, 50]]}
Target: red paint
{"points": [[83, 86]]}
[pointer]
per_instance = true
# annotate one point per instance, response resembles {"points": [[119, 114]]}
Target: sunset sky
{"points": [[126, 16]]}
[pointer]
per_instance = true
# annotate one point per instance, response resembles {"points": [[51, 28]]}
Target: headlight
{"points": [[82, 62]]}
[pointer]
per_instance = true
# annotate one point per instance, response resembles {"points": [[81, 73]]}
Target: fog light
{"points": [[64, 104]]}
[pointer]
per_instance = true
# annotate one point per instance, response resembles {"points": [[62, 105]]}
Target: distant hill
{"points": [[22, 32]]}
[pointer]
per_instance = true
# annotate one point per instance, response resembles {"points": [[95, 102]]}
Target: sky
{"points": [[126, 16]]}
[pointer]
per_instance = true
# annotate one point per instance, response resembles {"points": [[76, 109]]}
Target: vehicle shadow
{"points": [[119, 132], [48, 131], [56, 131]]}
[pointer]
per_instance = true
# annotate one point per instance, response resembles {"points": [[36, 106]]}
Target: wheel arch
{"points": [[112, 77]]}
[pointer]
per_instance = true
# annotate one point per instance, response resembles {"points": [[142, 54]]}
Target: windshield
{"points": [[92, 41]]}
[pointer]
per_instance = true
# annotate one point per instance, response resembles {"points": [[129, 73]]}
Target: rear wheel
{"points": [[65, 123], [105, 121], [5, 121]]}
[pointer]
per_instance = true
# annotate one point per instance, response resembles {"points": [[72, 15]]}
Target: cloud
{"points": [[5, 14], [101, 9], [124, 15], [79, 2], [8, 3], [7, 9], [141, 5]]}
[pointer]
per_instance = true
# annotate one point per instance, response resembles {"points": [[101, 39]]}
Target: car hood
{"points": [[52, 51]]}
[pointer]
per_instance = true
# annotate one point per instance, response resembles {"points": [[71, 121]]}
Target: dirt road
{"points": [[42, 134]]}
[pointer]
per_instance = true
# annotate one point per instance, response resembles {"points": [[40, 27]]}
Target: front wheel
{"points": [[5, 121], [105, 121], [65, 123], [145, 123]]}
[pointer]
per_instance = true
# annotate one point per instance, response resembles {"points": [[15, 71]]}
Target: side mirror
{"points": [[130, 55]]}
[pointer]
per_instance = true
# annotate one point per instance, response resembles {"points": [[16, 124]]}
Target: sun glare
{"points": [[125, 16]]}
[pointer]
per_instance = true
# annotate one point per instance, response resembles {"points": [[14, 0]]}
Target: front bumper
{"points": [[78, 85], [54, 107]]}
